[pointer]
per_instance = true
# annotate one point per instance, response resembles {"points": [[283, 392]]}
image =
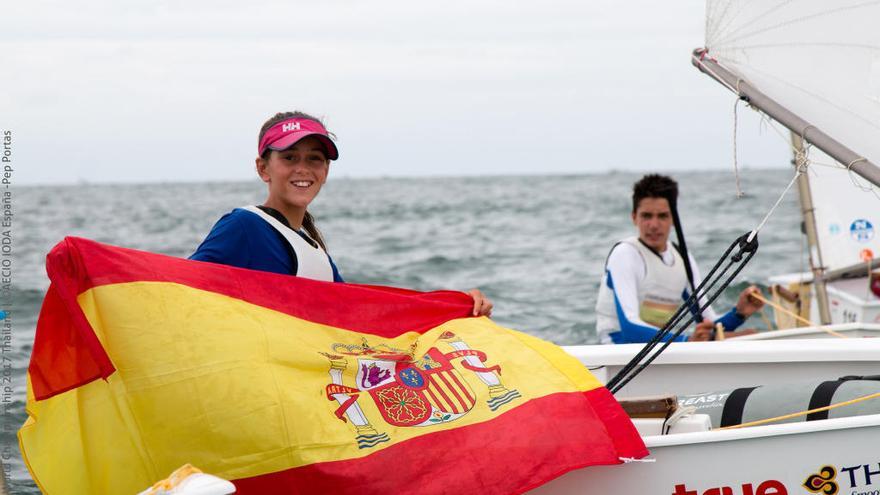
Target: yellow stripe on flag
{"points": [[246, 386]]}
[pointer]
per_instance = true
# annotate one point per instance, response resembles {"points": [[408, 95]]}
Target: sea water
{"points": [[536, 245]]}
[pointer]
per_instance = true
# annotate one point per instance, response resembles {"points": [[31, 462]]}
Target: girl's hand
{"points": [[482, 304]]}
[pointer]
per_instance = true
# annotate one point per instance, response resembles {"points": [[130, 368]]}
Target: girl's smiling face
{"points": [[294, 175]]}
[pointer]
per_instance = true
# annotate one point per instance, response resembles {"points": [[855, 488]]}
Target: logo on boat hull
{"points": [[767, 487], [861, 478], [822, 482]]}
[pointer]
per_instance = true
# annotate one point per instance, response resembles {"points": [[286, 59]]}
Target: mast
{"points": [[852, 160], [807, 210]]}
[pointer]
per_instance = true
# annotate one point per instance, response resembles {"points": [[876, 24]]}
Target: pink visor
{"points": [[286, 133]]}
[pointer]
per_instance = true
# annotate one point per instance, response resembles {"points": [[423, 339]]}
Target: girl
{"points": [[294, 153]]}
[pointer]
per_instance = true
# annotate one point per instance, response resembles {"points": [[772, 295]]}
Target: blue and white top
{"points": [[641, 289], [261, 239]]}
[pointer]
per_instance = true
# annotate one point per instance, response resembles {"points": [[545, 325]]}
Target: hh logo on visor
{"points": [[290, 126]]}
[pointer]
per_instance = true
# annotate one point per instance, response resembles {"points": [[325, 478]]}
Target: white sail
{"points": [[818, 58], [847, 215]]}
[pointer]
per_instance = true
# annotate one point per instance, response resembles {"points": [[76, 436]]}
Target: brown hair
{"points": [[655, 186], [308, 220]]}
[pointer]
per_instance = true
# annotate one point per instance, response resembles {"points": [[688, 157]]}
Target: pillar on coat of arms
{"points": [[367, 436], [498, 393]]}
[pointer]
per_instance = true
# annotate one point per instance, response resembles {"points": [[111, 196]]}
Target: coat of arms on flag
{"points": [[411, 392]]}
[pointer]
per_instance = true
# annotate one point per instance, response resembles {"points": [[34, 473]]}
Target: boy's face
{"points": [[653, 218]]}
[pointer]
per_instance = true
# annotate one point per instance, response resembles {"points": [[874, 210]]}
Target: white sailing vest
{"points": [[659, 294], [311, 261]]}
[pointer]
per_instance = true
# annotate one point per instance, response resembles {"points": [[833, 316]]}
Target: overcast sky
{"points": [[107, 91]]}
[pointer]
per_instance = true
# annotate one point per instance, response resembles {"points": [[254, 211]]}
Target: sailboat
{"points": [[813, 68], [835, 299]]}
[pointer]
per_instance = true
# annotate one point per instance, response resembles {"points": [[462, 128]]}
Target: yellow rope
{"points": [[779, 308], [802, 413], [765, 319], [796, 316]]}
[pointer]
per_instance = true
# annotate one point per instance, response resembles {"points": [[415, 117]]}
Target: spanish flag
{"points": [[143, 363]]}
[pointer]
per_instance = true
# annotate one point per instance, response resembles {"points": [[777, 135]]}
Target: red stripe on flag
{"points": [[432, 398], [616, 420], [519, 450], [66, 351], [464, 406], [75, 265], [383, 311], [471, 400], [450, 405]]}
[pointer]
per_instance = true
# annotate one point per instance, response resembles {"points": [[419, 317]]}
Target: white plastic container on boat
{"points": [[850, 301]]}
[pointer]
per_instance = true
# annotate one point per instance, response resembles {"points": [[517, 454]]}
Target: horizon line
{"points": [[337, 177]]}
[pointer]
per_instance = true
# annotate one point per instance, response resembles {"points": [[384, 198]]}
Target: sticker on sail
{"points": [[861, 230], [834, 229]]}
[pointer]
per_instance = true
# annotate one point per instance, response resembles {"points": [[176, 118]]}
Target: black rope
{"points": [[709, 290], [666, 344], [676, 317], [679, 234], [674, 327]]}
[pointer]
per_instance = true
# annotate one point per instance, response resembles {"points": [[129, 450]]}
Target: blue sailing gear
{"points": [[622, 313], [243, 239], [631, 332]]}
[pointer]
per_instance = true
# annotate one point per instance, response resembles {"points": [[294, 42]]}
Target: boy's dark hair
{"points": [[655, 186]]}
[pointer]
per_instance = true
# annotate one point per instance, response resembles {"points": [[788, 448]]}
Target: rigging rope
{"points": [[794, 179], [672, 198], [739, 192], [765, 319], [704, 54], [797, 317], [709, 290], [766, 120]]}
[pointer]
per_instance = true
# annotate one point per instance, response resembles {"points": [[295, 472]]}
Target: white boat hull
{"points": [[696, 367], [760, 460], [764, 460]]}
